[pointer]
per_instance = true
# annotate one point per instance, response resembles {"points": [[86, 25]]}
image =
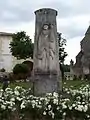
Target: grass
{"points": [[25, 85], [75, 83]]}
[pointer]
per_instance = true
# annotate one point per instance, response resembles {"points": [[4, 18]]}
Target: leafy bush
{"points": [[52, 106], [20, 68], [2, 70]]}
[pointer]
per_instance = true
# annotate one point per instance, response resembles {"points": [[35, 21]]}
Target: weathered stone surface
{"points": [[45, 84], [82, 65], [46, 70]]}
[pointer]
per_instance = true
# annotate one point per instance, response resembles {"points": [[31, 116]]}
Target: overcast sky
{"points": [[72, 21]]}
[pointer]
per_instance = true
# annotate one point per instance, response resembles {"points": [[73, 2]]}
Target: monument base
{"points": [[45, 83]]}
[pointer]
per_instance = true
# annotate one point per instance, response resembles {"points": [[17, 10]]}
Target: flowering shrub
{"points": [[71, 104]]}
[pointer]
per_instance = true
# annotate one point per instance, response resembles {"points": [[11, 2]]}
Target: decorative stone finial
{"points": [[46, 11]]}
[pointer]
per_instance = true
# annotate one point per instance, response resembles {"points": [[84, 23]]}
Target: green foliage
{"points": [[2, 70], [20, 68], [21, 45], [62, 53], [66, 68], [62, 44]]}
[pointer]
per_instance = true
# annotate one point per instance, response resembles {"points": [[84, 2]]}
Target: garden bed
{"points": [[19, 104]]}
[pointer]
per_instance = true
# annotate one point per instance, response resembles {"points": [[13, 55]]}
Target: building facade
{"points": [[7, 61]]}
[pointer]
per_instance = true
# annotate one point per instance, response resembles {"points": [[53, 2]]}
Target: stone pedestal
{"points": [[46, 72], [45, 83]]}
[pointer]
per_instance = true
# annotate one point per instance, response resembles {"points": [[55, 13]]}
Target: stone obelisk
{"points": [[46, 56]]}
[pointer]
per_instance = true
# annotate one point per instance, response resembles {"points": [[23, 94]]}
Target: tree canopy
{"points": [[62, 44], [21, 46], [62, 53]]}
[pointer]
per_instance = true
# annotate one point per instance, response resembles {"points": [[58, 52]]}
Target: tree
{"points": [[21, 46], [62, 53], [62, 44], [66, 68]]}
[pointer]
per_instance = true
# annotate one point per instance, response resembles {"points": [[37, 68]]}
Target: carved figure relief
{"points": [[46, 47]]}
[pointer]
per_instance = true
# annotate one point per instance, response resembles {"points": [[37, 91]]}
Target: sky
{"points": [[72, 21]]}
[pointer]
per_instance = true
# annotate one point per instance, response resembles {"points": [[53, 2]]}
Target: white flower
{"points": [[41, 98], [60, 111], [55, 94], [85, 108], [49, 107], [70, 108], [79, 108], [52, 115], [88, 116], [73, 105], [64, 106], [55, 101], [64, 113], [9, 107], [19, 99], [16, 92], [13, 109], [44, 113], [64, 83], [22, 105], [57, 108], [49, 94], [12, 99], [3, 107], [40, 103], [83, 103], [68, 92], [33, 105]]}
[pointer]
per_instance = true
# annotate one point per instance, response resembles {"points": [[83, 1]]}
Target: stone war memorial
{"points": [[46, 71], [42, 96]]}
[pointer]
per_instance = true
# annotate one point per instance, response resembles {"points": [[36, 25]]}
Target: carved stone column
{"points": [[46, 70]]}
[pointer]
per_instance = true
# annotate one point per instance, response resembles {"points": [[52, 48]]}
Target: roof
{"points": [[79, 55], [88, 31], [5, 34]]}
